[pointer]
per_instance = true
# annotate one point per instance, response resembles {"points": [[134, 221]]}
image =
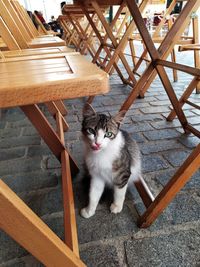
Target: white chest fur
{"points": [[100, 163]]}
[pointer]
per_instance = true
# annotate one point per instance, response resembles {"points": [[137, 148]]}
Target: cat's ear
{"points": [[120, 116], [88, 110]]}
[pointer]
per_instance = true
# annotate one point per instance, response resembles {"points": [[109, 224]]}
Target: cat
{"points": [[111, 156]]}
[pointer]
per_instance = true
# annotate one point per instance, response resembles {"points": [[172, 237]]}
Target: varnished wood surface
{"points": [[47, 79], [36, 51], [76, 9], [189, 47], [100, 2]]}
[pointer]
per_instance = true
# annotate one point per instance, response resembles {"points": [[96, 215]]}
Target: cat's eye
{"points": [[108, 134], [90, 131]]}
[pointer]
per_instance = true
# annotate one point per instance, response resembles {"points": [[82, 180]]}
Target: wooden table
{"points": [[26, 83]]}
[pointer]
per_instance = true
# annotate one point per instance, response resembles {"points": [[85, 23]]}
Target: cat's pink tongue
{"points": [[96, 147]]}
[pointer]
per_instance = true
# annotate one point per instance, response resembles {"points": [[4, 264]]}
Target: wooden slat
{"points": [[54, 110], [143, 190], [181, 67], [71, 238], [184, 97], [7, 36], [84, 79], [6, 16], [16, 18]]}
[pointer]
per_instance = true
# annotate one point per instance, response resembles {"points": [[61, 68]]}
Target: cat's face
{"points": [[99, 129]]}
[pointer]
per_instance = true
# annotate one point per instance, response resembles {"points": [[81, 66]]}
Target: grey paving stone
{"points": [[157, 146], [26, 182], [45, 201], [19, 166], [110, 101], [17, 263], [56, 224], [9, 248], [192, 184], [165, 124], [195, 111], [176, 158], [153, 163], [2, 124], [51, 162], [76, 126], [160, 103], [162, 97], [27, 131], [38, 150], [18, 124], [144, 117], [162, 134], [25, 261], [105, 225], [184, 208], [147, 98], [173, 250], [138, 105], [15, 116], [195, 120], [188, 114], [7, 133], [20, 141], [72, 136], [155, 109], [12, 153], [138, 137], [71, 118], [137, 127], [100, 256], [189, 141]]}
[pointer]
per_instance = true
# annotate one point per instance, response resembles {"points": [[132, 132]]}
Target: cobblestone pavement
{"points": [[28, 167]]}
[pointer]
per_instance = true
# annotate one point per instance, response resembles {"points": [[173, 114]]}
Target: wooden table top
{"points": [[76, 9], [36, 51], [49, 78], [100, 2]]}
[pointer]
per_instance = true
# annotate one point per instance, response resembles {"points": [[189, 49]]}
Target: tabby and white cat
{"points": [[111, 156]]}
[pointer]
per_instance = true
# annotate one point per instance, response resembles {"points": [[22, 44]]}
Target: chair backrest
{"points": [[11, 24]]}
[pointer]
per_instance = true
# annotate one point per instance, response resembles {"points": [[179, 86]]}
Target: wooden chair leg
{"points": [[26, 228], [173, 57], [183, 174], [184, 97], [47, 133]]}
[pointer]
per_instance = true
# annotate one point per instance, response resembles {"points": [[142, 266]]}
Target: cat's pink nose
{"points": [[97, 144]]}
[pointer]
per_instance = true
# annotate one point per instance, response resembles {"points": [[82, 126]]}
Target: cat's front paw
{"points": [[86, 213], [115, 208]]}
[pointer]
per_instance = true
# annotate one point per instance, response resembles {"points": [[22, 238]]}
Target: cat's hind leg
{"points": [[119, 197], [96, 189]]}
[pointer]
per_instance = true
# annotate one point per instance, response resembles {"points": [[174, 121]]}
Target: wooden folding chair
{"points": [[47, 83], [17, 54], [157, 38], [23, 37], [106, 46], [82, 28], [71, 37]]}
